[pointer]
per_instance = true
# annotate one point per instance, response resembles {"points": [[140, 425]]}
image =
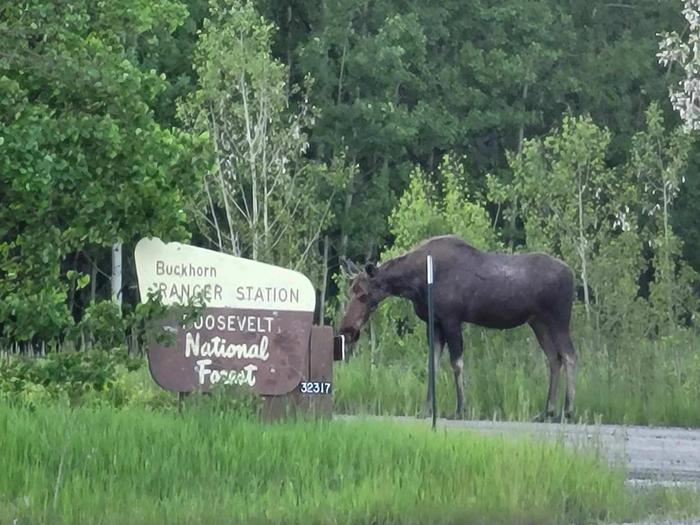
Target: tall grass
{"points": [[629, 382], [110, 466]]}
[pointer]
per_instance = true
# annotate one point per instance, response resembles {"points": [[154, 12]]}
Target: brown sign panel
{"points": [[264, 350], [314, 394]]}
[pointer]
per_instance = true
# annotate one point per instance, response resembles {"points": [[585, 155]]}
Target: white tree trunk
{"points": [[324, 281], [117, 274], [667, 271], [344, 236], [215, 221], [582, 251]]}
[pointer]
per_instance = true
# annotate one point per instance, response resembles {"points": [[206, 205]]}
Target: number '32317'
{"points": [[315, 387]]}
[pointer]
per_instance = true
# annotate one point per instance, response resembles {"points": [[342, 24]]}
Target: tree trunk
{"points": [[521, 129], [117, 274], [513, 217], [582, 251], [344, 236], [252, 165], [324, 281], [93, 280], [666, 274], [213, 216], [71, 291], [229, 218], [219, 168], [342, 69]]}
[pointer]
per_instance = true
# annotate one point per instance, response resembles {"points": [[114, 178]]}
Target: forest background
{"points": [[305, 133]]}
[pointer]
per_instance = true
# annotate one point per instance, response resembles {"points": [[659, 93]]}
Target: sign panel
{"points": [[254, 331]]}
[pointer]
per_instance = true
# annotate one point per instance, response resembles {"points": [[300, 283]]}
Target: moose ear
{"points": [[371, 269]]}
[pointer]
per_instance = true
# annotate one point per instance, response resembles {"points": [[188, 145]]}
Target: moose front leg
{"points": [[453, 336], [438, 345]]}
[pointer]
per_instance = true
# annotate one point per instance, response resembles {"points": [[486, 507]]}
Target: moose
{"points": [[489, 289]]}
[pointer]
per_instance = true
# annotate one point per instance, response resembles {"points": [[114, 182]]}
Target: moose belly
{"points": [[499, 314]]}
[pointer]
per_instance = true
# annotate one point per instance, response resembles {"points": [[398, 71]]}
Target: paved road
{"points": [[667, 456]]}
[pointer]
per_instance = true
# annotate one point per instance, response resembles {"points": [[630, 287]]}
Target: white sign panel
{"points": [[181, 272]]}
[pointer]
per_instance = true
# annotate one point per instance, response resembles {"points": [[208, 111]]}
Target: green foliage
{"points": [[268, 160], [604, 222], [684, 217], [172, 53], [416, 216], [658, 160], [560, 182], [83, 162], [104, 322], [64, 376], [400, 83], [424, 210], [261, 198]]}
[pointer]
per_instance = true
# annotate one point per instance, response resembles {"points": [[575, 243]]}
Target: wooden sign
{"points": [[255, 330]]}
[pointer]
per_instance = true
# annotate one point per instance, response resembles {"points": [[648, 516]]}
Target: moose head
{"points": [[364, 295]]}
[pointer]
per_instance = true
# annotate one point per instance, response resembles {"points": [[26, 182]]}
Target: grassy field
{"points": [[121, 453], [124, 455], [132, 466], [626, 382], [642, 382]]}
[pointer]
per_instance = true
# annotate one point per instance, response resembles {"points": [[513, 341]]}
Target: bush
{"points": [[104, 379], [63, 375]]}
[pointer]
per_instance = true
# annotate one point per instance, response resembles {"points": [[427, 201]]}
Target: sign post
{"points": [[255, 330], [431, 339]]}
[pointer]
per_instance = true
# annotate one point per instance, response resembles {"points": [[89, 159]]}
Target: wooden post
{"points": [[180, 399]]}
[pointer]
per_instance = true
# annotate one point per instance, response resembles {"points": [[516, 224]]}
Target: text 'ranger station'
{"points": [[182, 292]]}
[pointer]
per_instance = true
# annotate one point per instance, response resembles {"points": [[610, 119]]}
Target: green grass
{"points": [[133, 466], [643, 382], [662, 504], [124, 455], [632, 381]]}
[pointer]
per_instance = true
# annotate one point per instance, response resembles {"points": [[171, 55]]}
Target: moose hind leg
{"points": [[438, 345], [458, 369], [546, 342], [567, 354]]}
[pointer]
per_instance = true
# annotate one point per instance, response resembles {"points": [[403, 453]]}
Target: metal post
{"points": [[431, 339]]}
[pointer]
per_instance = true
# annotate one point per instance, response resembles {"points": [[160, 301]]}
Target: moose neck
{"points": [[400, 277]]}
